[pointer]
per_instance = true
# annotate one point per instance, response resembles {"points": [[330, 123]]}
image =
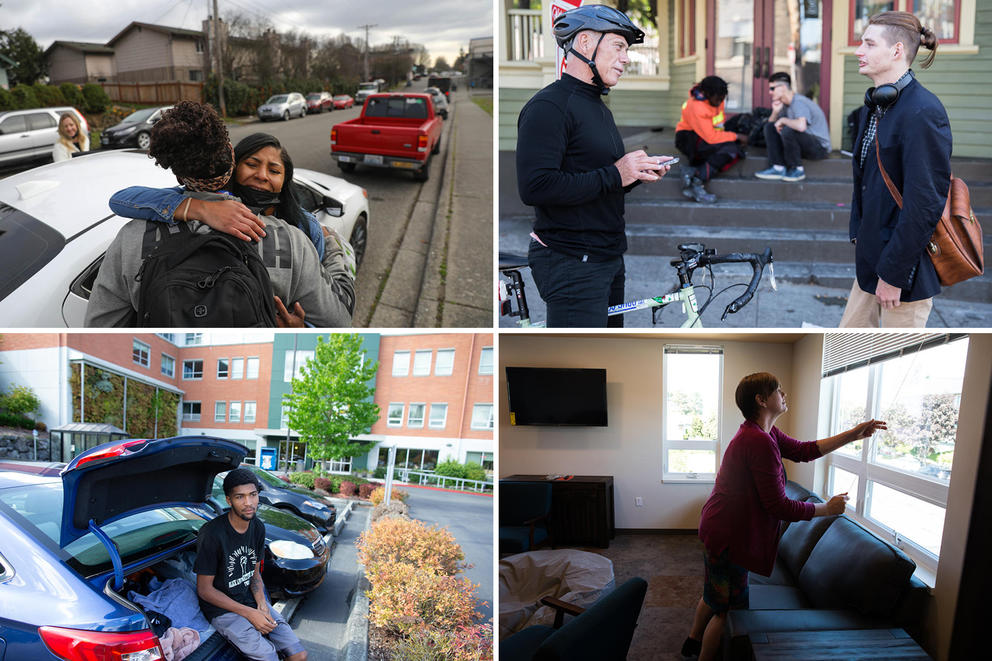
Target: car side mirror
{"points": [[332, 207]]}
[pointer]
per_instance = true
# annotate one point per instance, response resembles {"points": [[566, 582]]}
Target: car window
{"points": [[314, 97], [139, 115], [15, 124], [280, 98], [41, 120], [26, 246], [309, 199]]}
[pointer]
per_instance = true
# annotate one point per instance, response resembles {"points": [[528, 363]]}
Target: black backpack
{"points": [[201, 280]]}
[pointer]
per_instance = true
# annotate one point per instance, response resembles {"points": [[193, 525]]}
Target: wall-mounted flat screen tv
{"points": [[556, 396]]}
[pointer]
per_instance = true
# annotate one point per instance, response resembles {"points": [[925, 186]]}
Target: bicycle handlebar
{"points": [[757, 262]]}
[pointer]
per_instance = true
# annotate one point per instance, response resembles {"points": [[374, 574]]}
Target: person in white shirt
{"points": [[72, 138]]}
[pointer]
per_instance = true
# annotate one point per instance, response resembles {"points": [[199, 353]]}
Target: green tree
{"points": [[21, 47], [441, 65], [331, 402]]}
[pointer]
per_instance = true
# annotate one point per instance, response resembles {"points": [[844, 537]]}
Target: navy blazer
{"points": [[914, 141]]}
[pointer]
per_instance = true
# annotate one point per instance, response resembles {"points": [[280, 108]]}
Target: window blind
{"points": [[848, 351]]}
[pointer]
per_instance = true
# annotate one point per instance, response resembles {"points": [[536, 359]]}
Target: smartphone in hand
{"points": [[669, 162]]}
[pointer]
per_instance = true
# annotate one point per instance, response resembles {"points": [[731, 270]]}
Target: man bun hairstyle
{"points": [[191, 140], [902, 26], [781, 76], [752, 385], [713, 86], [238, 477]]}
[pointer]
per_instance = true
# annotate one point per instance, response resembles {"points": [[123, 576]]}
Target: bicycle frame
{"points": [[687, 295]]}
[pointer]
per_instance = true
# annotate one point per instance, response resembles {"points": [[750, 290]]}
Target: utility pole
{"points": [[366, 28], [220, 63]]}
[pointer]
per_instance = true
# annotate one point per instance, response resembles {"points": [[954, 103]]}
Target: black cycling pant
{"points": [[577, 292]]}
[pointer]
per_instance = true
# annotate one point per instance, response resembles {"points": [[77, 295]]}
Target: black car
{"points": [[134, 130], [295, 553], [303, 503]]}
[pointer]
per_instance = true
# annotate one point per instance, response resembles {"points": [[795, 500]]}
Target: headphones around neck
{"points": [[879, 99]]}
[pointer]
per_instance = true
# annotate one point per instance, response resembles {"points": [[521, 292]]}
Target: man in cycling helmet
{"points": [[572, 168]]}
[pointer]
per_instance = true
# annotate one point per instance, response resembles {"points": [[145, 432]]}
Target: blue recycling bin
{"points": [[268, 458]]}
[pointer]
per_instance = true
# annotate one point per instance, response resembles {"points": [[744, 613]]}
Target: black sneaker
{"points": [[691, 647]]}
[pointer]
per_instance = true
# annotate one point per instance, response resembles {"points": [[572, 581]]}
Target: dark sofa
{"points": [[830, 574]]}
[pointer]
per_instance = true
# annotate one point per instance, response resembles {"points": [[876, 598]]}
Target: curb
{"points": [[357, 628], [340, 521]]}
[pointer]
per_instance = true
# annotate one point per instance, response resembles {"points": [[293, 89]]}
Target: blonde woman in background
{"points": [[72, 138]]}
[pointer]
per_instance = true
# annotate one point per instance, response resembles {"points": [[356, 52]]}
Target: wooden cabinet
{"points": [[581, 509]]}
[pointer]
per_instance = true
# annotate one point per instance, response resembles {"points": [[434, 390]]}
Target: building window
{"points": [[482, 416], [192, 369], [249, 411], [284, 415], [168, 365], [141, 353], [439, 416], [394, 416], [861, 11], [401, 363], [691, 381], [422, 363], [340, 466], [941, 16], [199, 45], [445, 363], [168, 337], [237, 368], [486, 361], [222, 368], [416, 417], [235, 413], [191, 411], [253, 368], [302, 357], [484, 459], [194, 339], [220, 411], [898, 480]]}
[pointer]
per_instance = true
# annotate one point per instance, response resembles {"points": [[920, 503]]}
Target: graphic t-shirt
{"points": [[230, 557]]}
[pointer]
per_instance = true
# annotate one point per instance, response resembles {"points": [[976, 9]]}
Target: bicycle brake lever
{"points": [[771, 276]]}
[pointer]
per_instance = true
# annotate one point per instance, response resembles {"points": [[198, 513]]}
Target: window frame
{"points": [[223, 414], [194, 376], [486, 351], [449, 367], [410, 419], [680, 444], [237, 373], [140, 349], [234, 412], [249, 361], [854, 40], [405, 369], [253, 407], [226, 368], [425, 370], [172, 371], [472, 424], [190, 417], [389, 422], [444, 419], [685, 30]]}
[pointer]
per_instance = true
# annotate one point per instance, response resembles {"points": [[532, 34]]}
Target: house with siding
{"points": [[744, 42], [152, 53], [80, 62]]}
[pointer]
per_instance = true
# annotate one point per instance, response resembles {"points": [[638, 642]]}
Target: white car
{"points": [[56, 225], [440, 101]]}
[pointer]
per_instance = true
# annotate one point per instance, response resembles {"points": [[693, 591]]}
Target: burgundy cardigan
{"points": [[749, 500]]}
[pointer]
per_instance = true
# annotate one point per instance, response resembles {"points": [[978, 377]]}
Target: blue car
{"points": [[73, 541]]}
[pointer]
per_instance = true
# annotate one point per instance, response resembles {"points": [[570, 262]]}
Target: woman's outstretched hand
{"points": [[228, 216], [866, 429], [837, 504]]}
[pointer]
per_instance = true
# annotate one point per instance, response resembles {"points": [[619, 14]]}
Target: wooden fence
{"points": [[154, 93]]}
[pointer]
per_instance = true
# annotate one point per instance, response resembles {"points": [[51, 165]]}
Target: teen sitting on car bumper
{"points": [[796, 129]]}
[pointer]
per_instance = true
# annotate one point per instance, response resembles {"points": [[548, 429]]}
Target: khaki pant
{"points": [[863, 311]]}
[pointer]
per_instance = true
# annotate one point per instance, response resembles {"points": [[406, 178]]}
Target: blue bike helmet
{"points": [[598, 18]]}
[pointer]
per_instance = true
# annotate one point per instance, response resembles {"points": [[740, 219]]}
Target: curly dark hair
{"points": [[191, 140]]}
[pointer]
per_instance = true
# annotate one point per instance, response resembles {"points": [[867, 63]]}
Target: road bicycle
{"points": [[691, 257]]}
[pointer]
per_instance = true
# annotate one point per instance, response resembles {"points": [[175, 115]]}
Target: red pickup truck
{"points": [[393, 131]]}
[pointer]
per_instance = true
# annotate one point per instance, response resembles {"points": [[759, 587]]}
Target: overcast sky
{"points": [[443, 26]]}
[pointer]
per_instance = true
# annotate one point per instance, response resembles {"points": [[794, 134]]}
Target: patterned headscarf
{"points": [[208, 185]]}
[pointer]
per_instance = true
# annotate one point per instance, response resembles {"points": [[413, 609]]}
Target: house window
{"points": [[484, 459], [686, 28], [222, 368], [394, 415], [249, 411], [482, 416], [301, 360], [422, 363], [192, 369], [486, 361], [220, 411], [253, 368], [199, 46], [194, 339], [445, 363], [401, 363], [898, 480], [141, 353], [692, 380], [235, 413], [439, 416], [168, 365], [195, 75], [941, 16], [191, 411], [416, 417]]}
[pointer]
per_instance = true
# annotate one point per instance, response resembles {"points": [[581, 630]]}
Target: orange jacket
{"points": [[705, 120]]}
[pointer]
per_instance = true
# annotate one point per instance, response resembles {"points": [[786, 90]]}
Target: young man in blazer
{"points": [[896, 280]]}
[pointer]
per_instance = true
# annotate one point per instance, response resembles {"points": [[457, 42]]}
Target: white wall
{"points": [[630, 448]]}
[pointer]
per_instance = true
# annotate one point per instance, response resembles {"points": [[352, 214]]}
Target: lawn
{"points": [[484, 102]]}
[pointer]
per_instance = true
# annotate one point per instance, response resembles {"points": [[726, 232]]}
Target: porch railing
{"points": [[524, 29]]}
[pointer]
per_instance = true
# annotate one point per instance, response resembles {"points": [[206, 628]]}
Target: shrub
{"points": [[463, 643], [378, 494], [348, 488], [15, 420], [20, 400], [305, 479], [72, 94], [410, 542], [6, 100], [405, 598], [95, 99], [365, 490], [380, 473], [474, 471], [24, 97], [48, 95], [450, 468], [395, 508], [322, 483]]}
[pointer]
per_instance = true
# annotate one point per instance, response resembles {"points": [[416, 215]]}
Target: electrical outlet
{"points": [[638, 501]]}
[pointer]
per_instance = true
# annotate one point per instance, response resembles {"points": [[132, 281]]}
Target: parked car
{"points": [[343, 101], [440, 101], [28, 135], [55, 228], [73, 545], [134, 130], [295, 553], [283, 106], [301, 502], [394, 131], [318, 102]]}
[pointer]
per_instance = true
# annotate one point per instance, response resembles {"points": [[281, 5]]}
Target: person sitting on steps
{"points": [[796, 129], [700, 135]]}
